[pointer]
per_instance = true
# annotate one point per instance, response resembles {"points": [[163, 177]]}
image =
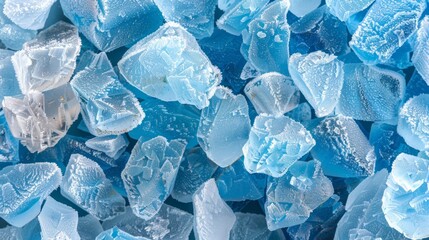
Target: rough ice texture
{"points": [[171, 120], [301, 8], [40, 120], [85, 184], [266, 39], [343, 9], [320, 78], [183, 72], [342, 147], [405, 198], [23, 189], [88, 227], [385, 28], [8, 82], [113, 145], [113, 24], [58, 221], [273, 94], [250, 226], [292, 198], [194, 170], [9, 146], [195, 16], [413, 124], [275, 144], [170, 223], [224, 127], [421, 50], [364, 218], [117, 234], [30, 14], [107, 106], [150, 173], [213, 219], [371, 93], [48, 61]]}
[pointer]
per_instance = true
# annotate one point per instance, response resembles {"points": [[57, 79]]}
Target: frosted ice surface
{"points": [[224, 127], [8, 82], [301, 8], [89, 227], [250, 226], [421, 50], [9, 146], [343, 9], [29, 14], [112, 145], [117, 234], [85, 184]]}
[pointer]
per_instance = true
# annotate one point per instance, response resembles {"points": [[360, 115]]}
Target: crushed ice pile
{"points": [[214, 119]]}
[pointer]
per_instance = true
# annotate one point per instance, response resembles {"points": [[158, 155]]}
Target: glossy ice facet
{"points": [[8, 82], [301, 8], [250, 226], [89, 227], [117, 234], [30, 14], [301, 113], [343, 9], [112, 145]]}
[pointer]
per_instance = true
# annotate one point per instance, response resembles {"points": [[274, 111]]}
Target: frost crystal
{"points": [[29, 14]]}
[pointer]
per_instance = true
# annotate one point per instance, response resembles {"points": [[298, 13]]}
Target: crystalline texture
{"points": [[23, 189], [88, 227], [107, 106], [30, 14], [8, 144], [150, 173], [275, 143], [371, 93], [40, 120], [86, 185], [213, 218], [8, 82], [250, 226], [291, 198], [320, 78], [272, 93], [58, 221], [183, 72], [385, 28], [117, 234], [343, 9], [224, 127], [48, 61], [342, 147], [112, 145], [421, 50]]}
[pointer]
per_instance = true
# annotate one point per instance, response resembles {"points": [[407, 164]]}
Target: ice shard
{"points": [[343, 9], [421, 50], [9, 145], [8, 82], [88, 227], [30, 14], [250, 226], [117, 234], [112, 145], [301, 8]]}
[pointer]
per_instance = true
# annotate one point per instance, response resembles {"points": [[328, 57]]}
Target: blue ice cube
{"points": [[292, 198], [112, 145], [8, 82], [150, 173], [183, 72], [30, 14], [421, 49], [88, 227], [117, 234], [9, 146], [224, 127], [343, 9]]}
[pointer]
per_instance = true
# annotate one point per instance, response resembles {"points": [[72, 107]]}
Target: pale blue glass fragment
{"points": [[385, 28], [292, 198], [224, 127], [301, 8], [8, 82], [111, 24], [413, 124], [88, 227], [169, 223], [250, 226], [30, 14], [371, 93], [213, 219], [273, 94], [150, 173], [364, 218], [421, 50], [197, 17], [238, 15], [85, 184], [24, 187], [9, 146], [194, 170], [320, 78], [58, 221], [108, 108], [113, 145], [343, 9], [117, 234], [342, 147], [266, 39], [275, 144], [302, 113], [171, 120]]}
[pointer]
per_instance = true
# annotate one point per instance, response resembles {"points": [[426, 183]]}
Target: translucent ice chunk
{"points": [[371, 93], [9, 146], [237, 17], [301, 113], [266, 39], [40, 120], [364, 218], [183, 72], [117, 234], [385, 28], [194, 170], [213, 219], [48, 61], [8, 82], [320, 78], [342, 147], [195, 16], [275, 143], [88, 227], [113, 146], [110, 24], [421, 50], [250, 226], [150, 173], [413, 124], [23, 189], [58, 221], [415, 86], [301, 8], [273, 93], [30, 14], [224, 127], [343, 9], [11, 233], [108, 108], [291, 198], [169, 223], [225, 5]]}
